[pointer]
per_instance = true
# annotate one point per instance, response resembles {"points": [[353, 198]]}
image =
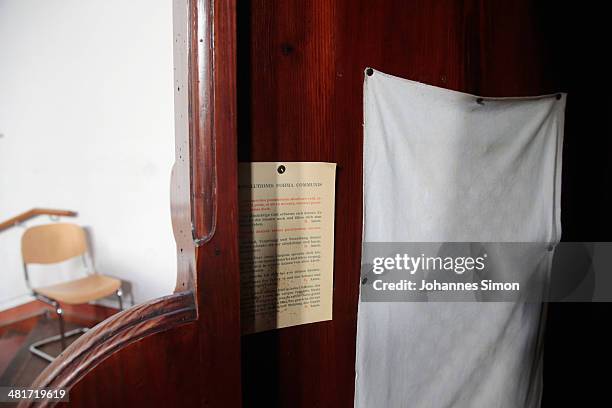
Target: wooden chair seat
{"points": [[82, 290]]}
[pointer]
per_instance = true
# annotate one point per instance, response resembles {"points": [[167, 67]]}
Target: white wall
{"points": [[86, 118]]}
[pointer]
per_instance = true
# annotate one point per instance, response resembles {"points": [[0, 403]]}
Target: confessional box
{"points": [[281, 81]]}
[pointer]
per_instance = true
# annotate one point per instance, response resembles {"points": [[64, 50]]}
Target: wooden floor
{"points": [[21, 326]]}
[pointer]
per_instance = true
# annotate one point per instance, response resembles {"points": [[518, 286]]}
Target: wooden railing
{"points": [[35, 212]]}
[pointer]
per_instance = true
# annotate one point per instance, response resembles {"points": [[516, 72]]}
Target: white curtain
{"points": [[445, 166]]}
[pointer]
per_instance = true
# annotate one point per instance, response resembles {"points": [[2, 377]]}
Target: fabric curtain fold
{"points": [[445, 166]]}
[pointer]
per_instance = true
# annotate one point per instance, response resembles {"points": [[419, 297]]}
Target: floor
{"points": [[32, 322]]}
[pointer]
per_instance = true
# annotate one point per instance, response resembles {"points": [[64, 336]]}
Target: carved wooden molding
{"points": [[111, 335]]}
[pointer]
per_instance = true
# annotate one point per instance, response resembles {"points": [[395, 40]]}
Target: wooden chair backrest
{"points": [[52, 243]]}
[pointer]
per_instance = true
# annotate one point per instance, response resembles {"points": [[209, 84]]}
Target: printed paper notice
{"points": [[286, 244]]}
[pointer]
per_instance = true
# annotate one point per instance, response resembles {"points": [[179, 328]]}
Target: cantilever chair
{"points": [[53, 243]]}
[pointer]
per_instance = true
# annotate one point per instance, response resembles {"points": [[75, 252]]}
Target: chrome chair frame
{"points": [[63, 335]]}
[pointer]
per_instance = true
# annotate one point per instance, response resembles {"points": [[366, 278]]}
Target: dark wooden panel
{"points": [[146, 373], [300, 76], [217, 260], [295, 85]]}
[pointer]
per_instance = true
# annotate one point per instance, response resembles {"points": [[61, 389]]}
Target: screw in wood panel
{"points": [[369, 71], [287, 49], [281, 169], [558, 96]]}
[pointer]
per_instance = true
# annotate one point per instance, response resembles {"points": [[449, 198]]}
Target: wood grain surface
{"points": [[300, 78]]}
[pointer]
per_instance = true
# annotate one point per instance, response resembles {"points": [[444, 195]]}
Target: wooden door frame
{"points": [[204, 188]]}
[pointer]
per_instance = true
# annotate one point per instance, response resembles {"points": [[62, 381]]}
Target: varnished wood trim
{"points": [[203, 136], [218, 272], [112, 335], [35, 212]]}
